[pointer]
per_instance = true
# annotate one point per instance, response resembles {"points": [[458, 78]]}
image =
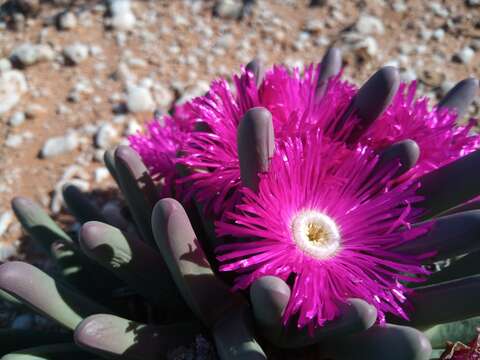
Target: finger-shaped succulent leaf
{"points": [[46, 295], [445, 302], [202, 223], [80, 205], [109, 160], [450, 185], [138, 189], [371, 100], [78, 270], [406, 152], [447, 237], [467, 265], [188, 264], [390, 342], [234, 338], [38, 224], [463, 330], [133, 261], [270, 296], [73, 265], [460, 97], [256, 68], [49, 352], [204, 227], [330, 66], [13, 340], [471, 205], [256, 145], [114, 337], [11, 300]]}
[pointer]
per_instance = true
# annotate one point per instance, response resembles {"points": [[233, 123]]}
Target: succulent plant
{"points": [[141, 287]]}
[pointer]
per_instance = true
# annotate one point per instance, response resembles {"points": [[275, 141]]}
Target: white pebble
{"points": [[12, 86], [76, 53], [439, 34], [101, 174], [139, 99], [228, 9], [5, 65], [368, 25], [60, 145], [133, 127], [28, 54], [122, 16], [14, 141], [5, 221], [106, 136], [466, 54], [67, 21], [17, 119]]}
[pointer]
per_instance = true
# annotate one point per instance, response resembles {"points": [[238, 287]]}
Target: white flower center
{"points": [[315, 234]]}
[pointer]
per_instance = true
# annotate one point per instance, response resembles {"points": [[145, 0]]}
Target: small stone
{"points": [[445, 87], [6, 219], [33, 111], [5, 65], [60, 145], [28, 54], [225, 41], [67, 20], [139, 99], [321, 40], [408, 76], [163, 96], [228, 9], [365, 47], [12, 86], [199, 89], [14, 141], [76, 53], [7, 250], [314, 26], [17, 119], [96, 51], [438, 34], [473, 3], [438, 9], [101, 174], [399, 6], [426, 34], [106, 136], [124, 21], [121, 38], [122, 17], [369, 25], [465, 55], [133, 127]]}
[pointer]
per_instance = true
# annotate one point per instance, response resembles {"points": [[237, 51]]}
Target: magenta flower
{"points": [[438, 136], [159, 147], [322, 220], [290, 97]]}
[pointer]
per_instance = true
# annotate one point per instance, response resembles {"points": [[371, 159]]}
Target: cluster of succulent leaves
{"points": [[138, 289]]}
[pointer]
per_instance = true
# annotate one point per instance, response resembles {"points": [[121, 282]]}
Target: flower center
{"points": [[316, 234]]}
